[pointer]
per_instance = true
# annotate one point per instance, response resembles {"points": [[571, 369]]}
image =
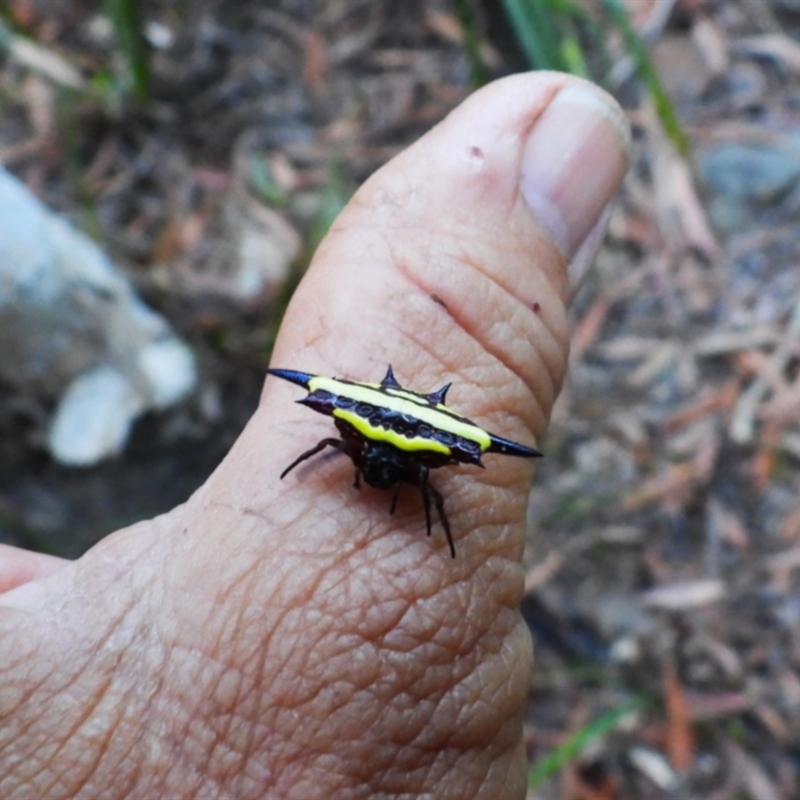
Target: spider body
{"points": [[395, 436]]}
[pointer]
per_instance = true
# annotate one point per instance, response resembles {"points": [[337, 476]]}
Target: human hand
{"points": [[290, 639]]}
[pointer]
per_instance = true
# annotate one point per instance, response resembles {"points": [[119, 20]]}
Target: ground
{"points": [[664, 554]]}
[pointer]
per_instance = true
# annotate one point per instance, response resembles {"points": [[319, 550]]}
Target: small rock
{"points": [[745, 177], [73, 328]]}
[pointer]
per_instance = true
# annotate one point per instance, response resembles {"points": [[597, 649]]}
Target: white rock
{"points": [[71, 326], [94, 417], [170, 371]]}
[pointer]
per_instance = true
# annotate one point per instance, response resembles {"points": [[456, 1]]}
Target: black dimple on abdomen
{"points": [[402, 424]]}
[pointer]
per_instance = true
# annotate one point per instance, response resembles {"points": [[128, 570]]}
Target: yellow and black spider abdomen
{"points": [[394, 435], [402, 429]]}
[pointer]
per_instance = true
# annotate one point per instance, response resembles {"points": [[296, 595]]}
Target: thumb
{"points": [[449, 264]]}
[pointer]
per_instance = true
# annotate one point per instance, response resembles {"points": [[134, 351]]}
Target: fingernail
{"points": [[582, 261], [573, 163]]}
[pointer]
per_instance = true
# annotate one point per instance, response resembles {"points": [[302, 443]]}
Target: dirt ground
{"points": [[664, 549]]}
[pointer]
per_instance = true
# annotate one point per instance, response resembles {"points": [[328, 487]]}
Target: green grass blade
{"points": [[572, 55], [534, 28], [334, 197], [575, 745], [126, 19], [472, 43], [644, 66]]}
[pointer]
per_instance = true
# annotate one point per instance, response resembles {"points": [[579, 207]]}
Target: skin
{"points": [[290, 639]]}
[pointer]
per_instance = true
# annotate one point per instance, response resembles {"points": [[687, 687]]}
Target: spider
{"points": [[394, 435]]}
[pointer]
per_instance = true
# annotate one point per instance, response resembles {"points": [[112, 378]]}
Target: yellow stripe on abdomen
{"points": [[439, 420], [376, 433]]}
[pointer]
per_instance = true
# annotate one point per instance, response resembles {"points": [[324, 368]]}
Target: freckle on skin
{"points": [[536, 307], [476, 156]]}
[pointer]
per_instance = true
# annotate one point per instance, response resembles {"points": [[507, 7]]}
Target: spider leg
{"points": [[424, 486], [339, 445], [394, 499], [438, 500]]}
